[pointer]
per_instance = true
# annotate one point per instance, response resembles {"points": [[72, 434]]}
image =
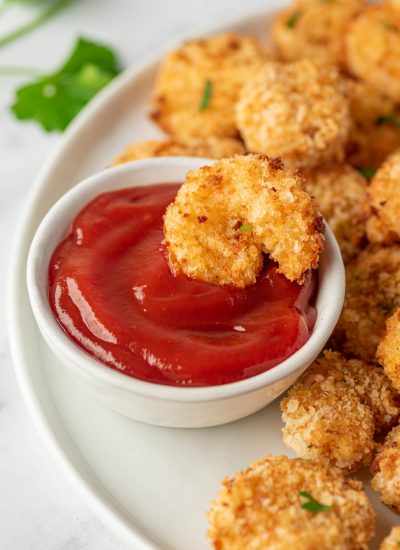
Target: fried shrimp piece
{"points": [[212, 147], [326, 419], [372, 293], [383, 225], [226, 215], [341, 193], [284, 504], [198, 85], [373, 49], [386, 470], [298, 111], [392, 541], [314, 29], [374, 132], [388, 352]]}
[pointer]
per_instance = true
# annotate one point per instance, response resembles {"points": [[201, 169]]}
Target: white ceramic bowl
{"points": [[154, 403]]}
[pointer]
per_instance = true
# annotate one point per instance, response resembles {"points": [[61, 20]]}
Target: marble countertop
{"points": [[38, 509]]}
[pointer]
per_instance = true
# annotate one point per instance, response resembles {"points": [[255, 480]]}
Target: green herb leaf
{"points": [[246, 228], [206, 97], [54, 100], [398, 543], [390, 119], [311, 504], [366, 172], [292, 20]]}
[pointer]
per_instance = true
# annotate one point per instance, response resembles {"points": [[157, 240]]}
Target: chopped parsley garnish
{"points": [[388, 25], [398, 543], [206, 97], [55, 99], [245, 228], [389, 119], [311, 504], [366, 172], [292, 20]]}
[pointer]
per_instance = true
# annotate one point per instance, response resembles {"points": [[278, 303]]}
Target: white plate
{"points": [[151, 486]]}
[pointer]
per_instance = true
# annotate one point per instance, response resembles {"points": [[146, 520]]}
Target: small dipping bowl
{"points": [[155, 403]]}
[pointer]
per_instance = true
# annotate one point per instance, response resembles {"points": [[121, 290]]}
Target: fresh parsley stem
{"points": [[4, 7], [45, 15], [18, 71]]}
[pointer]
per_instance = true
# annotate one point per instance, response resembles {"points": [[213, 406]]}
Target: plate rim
{"points": [[99, 503]]}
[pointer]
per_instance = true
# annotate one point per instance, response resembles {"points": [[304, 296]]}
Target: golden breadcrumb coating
{"points": [[372, 294], [298, 111], [314, 29], [227, 215], [374, 134], [392, 541], [211, 147], [220, 63], [373, 49], [341, 193], [386, 470], [388, 352], [261, 508], [383, 225], [326, 419]]}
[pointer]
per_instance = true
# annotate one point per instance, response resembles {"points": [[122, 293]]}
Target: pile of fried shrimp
{"points": [[312, 111]]}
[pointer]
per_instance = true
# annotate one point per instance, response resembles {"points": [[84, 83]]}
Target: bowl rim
{"points": [[63, 346]]}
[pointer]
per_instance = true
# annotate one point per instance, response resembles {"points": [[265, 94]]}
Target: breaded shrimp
{"points": [[341, 193], [374, 132], [372, 293], [386, 470], [267, 506], [326, 419], [226, 215], [298, 111], [373, 49], [388, 352], [198, 85], [212, 147], [314, 29], [392, 541], [383, 225]]}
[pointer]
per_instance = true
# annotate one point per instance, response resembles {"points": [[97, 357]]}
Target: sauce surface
{"points": [[112, 292]]}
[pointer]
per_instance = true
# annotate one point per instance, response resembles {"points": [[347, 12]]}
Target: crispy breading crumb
{"points": [[392, 541], [372, 294], [224, 61], [298, 111], [211, 147], [261, 508], [388, 352], [373, 134], [251, 205], [314, 29], [373, 48], [341, 193], [383, 225], [328, 419], [386, 470]]}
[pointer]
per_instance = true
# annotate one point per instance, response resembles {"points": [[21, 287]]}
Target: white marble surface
{"points": [[38, 510]]}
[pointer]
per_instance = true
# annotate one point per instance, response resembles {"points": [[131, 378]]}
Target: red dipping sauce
{"points": [[113, 294]]}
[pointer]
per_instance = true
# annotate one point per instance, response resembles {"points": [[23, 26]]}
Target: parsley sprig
{"points": [[246, 228], [55, 99], [48, 12], [311, 504]]}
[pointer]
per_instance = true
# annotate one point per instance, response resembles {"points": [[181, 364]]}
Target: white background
{"points": [[38, 510]]}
